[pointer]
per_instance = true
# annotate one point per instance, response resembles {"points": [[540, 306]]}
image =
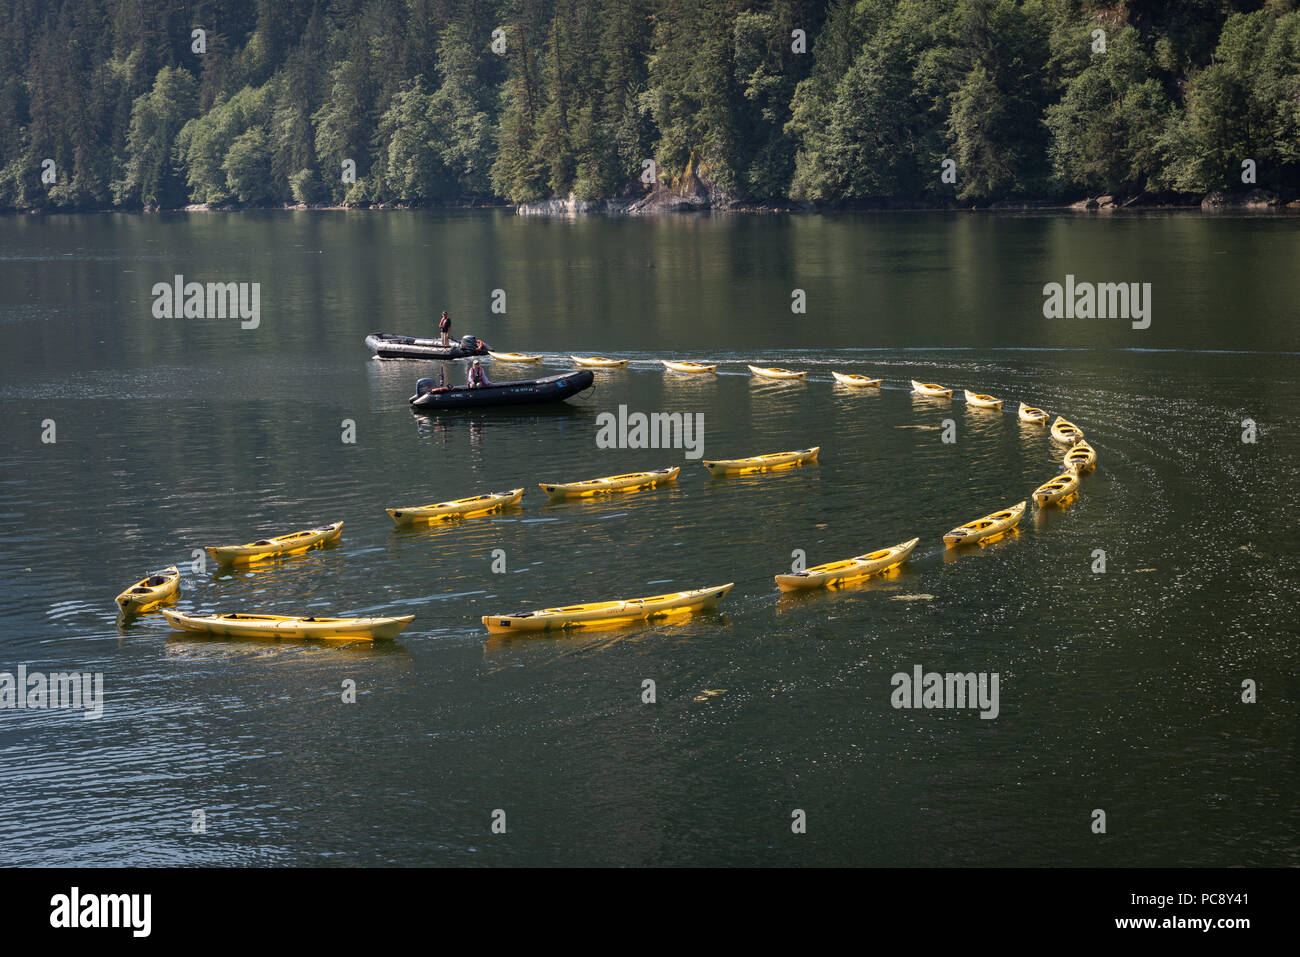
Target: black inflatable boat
{"points": [[385, 345], [429, 397]]}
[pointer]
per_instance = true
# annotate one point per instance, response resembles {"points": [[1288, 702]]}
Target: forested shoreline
{"points": [[131, 104]]}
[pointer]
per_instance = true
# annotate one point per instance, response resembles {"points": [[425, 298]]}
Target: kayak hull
{"points": [[772, 373], [1066, 432], [514, 357], [850, 570], [386, 345], [631, 482], [985, 528], [599, 362], [295, 543], [235, 625], [144, 597], [1081, 458], [554, 388], [691, 367], [849, 378], [608, 612], [763, 463], [1029, 414], [1057, 490], [981, 401], [932, 389], [456, 509]]}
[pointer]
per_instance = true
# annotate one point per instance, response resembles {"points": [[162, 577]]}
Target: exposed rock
{"points": [[1251, 199], [1084, 204], [1016, 204], [666, 201], [568, 207]]}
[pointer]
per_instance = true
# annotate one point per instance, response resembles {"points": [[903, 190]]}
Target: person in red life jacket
{"points": [[477, 377], [444, 326]]}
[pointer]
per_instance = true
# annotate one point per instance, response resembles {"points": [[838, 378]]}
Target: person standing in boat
{"points": [[477, 377], [444, 326]]}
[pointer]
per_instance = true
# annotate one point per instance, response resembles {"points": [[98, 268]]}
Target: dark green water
{"points": [[1119, 691]]}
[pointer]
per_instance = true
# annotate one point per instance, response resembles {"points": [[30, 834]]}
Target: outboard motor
{"points": [[425, 386], [469, 343]]}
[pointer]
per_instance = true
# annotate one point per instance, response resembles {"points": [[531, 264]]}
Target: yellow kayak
{"points": [[981, 401], [1029, 414], [774, 373], [763, 463], [457, 508], [932, 389], [849, 570], [235, 625], [629, 482], [608, 612], [148, 593], [848, 378], [688, 366], [1049, 493], [599, 362], [1081, 458], [1066, 431], [985, 527], [513, 357], [295, 543]]}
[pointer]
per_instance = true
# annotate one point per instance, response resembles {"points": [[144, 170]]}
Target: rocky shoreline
{"points": [[672, 201], [704, 200]]}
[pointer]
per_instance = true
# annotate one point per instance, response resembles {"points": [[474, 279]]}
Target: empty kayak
{"points": [[608, 612], [385, 345], [932, 389], [513, 357], [849, 570], [629, 482], [148, 593], [981, 401], [236, 625], [599, 362], [695, 367], [849, 378], [985, 527], [774, 373], [1029, 414], [457, 508], [295, 543], [430, 397], [1081, 458], [1066, 431], [763, 463], [1063, 486]]}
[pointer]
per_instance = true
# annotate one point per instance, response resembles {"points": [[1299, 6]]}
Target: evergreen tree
{"points": [[412, 94], [152, 176]]}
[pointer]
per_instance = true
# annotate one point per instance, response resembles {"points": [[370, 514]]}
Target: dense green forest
{"points": [[120, 104]]}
